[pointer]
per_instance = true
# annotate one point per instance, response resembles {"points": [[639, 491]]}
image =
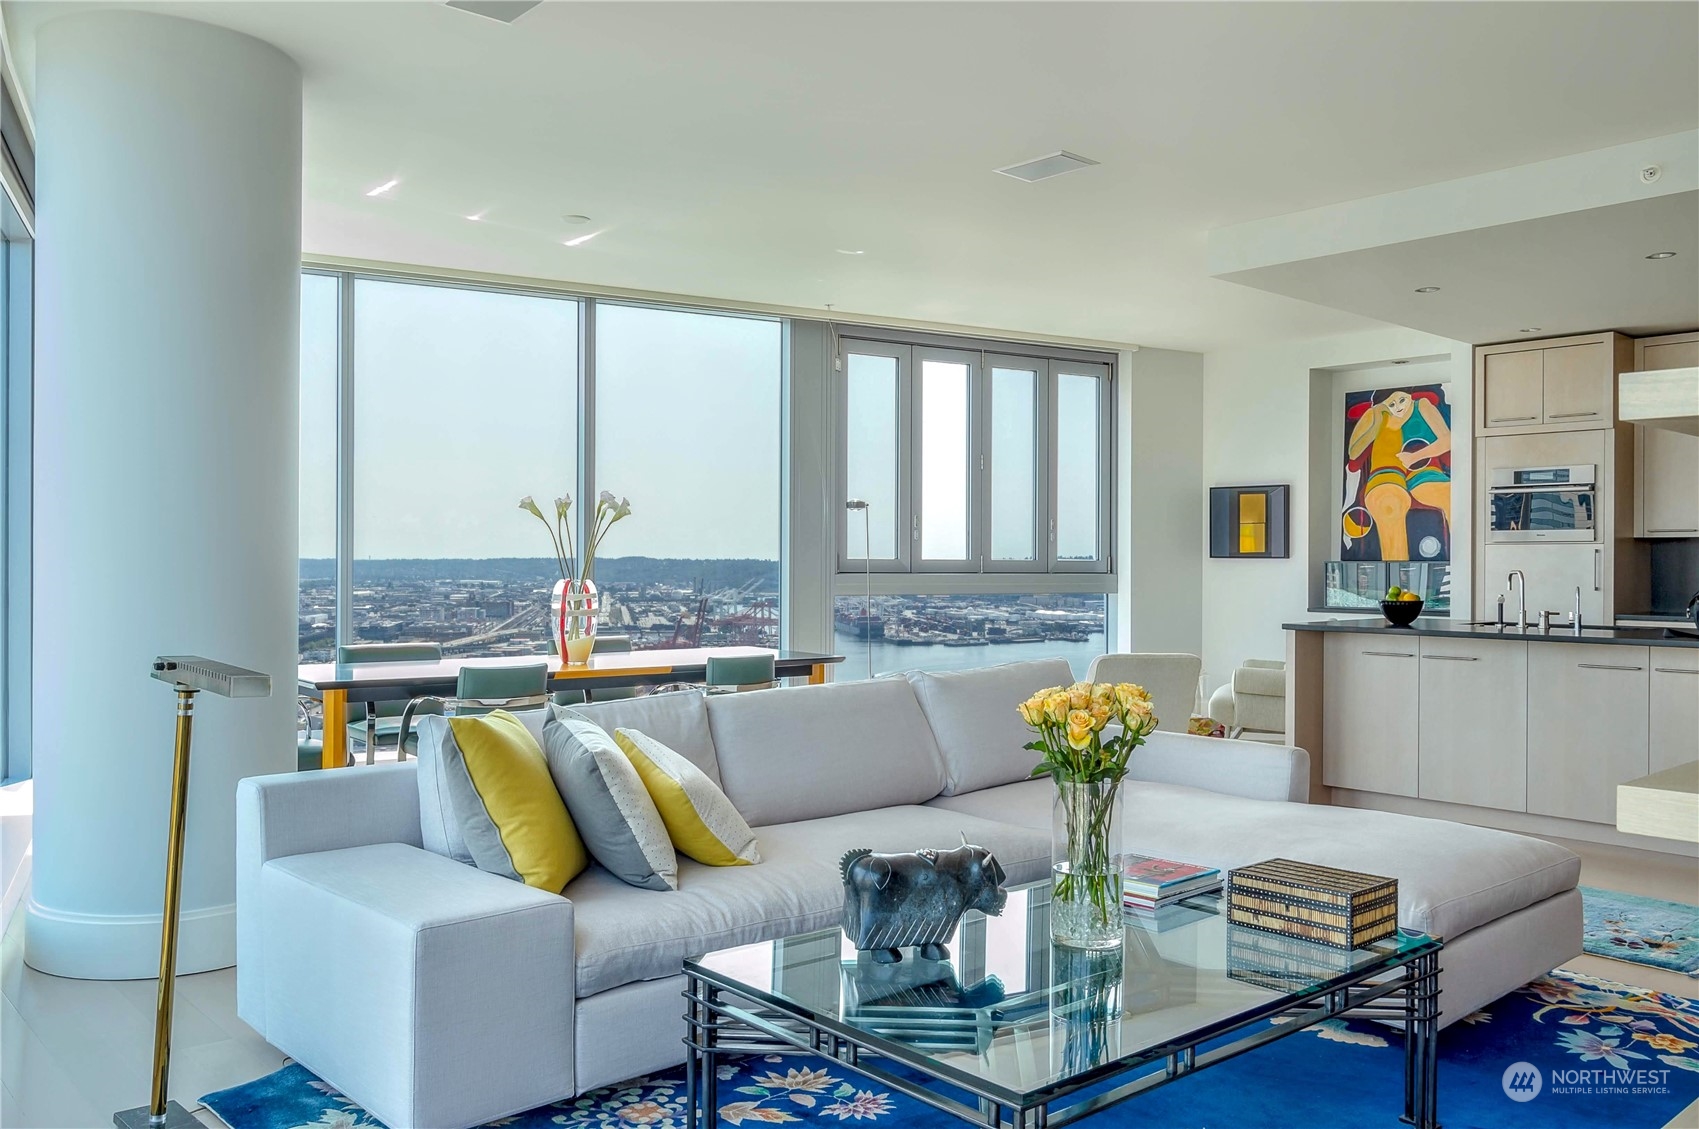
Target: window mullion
{"points": [[345, 377]]}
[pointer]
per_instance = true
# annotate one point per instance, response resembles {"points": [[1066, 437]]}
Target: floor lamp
{"points": [[190, 674], [866, 575]]}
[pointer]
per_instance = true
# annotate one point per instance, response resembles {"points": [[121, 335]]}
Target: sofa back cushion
{"points": [[679, 721], [973, 719], [815, 751]]}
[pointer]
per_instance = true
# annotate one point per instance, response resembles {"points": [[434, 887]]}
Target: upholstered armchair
{"points": [[1255, 701]]}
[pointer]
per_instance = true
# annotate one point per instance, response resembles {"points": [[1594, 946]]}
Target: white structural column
{"points": [[168, 283]]}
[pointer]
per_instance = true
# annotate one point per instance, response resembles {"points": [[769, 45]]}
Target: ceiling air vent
{"points": [[502, 11], [1043, 168]]}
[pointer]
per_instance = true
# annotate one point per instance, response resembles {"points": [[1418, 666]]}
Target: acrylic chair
{"points": [[482, 690], [1171, 680], [728, 674], [375, 723]]}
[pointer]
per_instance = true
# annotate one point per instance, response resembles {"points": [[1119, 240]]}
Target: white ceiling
{"points": [[729, 149]]}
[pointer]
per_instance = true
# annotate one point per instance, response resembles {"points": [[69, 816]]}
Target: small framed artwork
{"points": [[1249, 521]]}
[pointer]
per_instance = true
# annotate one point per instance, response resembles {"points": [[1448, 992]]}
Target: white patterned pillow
{"points": [[609, 804]]}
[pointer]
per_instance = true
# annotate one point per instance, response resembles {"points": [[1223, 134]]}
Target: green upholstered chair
{"points": [[728, 674], [480, 690], [374, 724], [309, 750], [604, 645]]}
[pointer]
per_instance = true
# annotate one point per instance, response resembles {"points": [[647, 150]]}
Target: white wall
{"points": [[1258, 416], [1160, 496]]}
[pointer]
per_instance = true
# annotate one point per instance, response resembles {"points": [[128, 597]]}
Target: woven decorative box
{"points": [[1313, 903]]}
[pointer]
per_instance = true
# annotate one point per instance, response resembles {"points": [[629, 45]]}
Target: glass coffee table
{"points": [[1013, 1032]]}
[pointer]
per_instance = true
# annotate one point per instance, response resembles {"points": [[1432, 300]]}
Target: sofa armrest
{"points": [[1252, 769], [432, 993], [296, 813]]}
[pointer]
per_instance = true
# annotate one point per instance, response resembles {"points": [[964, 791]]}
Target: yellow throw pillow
{"points": [[700, 821], [513, 820]]}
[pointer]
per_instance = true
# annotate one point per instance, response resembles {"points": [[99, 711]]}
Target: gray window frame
{"points": [[979, 573]]}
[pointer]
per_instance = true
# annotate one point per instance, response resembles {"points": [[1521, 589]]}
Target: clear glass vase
{"points": [[1085, 862], [574, 607]]}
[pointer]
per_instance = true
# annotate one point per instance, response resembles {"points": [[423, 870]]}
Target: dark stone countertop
{"points": [[1457, 629]]}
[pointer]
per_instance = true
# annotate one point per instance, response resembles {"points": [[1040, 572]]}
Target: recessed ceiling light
{"points": [[1534, 329], [575, 220], [1043, 168], [582, 239], [1661, 255], [476, 216], [846, 251], [382, 188], [1427, 290]]}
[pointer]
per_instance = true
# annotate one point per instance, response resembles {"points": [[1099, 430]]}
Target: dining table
{"points": [[335, 684]]}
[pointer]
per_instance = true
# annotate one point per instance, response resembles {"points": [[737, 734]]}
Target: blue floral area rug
{"points": [[1643, 930], [1565, 1052]]}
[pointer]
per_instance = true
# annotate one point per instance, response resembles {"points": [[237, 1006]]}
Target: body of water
{"points": [[889, 657]]}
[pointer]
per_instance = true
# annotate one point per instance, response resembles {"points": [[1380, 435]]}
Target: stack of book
{"points": [[1149, 885]]}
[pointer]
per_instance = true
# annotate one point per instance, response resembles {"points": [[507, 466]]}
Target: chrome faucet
{"points": [[1520, 584], [1575, 616]]}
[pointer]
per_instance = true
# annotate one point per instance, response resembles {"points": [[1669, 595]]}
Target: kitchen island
{"points": [[1524, 729]]}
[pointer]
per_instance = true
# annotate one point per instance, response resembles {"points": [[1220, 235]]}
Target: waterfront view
{"points": [[500, 607]]}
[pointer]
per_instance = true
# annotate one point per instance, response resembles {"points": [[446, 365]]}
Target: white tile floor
{"points": [[75, 1051]]}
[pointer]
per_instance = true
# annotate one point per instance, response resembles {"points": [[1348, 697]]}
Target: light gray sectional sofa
{"points": [[438, 995]]}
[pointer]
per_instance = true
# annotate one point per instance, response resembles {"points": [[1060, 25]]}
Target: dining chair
{"points": [[372, 723], [729, 674], [481, 690], [604, 645], [1171, 680]]}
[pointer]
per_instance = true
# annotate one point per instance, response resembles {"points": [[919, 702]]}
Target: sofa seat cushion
{"points": [[1452, 877], [813, 751], [972, 713], [624, 934]]}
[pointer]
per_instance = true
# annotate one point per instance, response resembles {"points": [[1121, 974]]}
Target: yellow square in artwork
{"points": [[1252, 538], [1253, 509]]}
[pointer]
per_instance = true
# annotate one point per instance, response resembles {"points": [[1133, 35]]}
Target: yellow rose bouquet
{"points": [[1086, 734]]}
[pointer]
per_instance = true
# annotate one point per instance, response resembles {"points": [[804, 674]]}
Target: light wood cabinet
{"points": [[1666, 463], [1576, 384], [1514, 388], [1472, 735], [1564, 382], [1675, 707], [1369, 718], [1588, 727]]}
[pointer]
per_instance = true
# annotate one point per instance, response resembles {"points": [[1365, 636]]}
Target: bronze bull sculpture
{"points": [[916, 898]]}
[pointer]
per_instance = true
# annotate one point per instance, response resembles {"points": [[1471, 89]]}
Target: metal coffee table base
{"points": [[722, 1021]]}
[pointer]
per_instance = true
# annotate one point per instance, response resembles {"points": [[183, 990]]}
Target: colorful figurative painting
{"points": [[1397, 496]]}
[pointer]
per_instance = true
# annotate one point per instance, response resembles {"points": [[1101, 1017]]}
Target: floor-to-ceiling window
{"points": [[687, 427], [976, 489], [429, 409], [465, 401], [17, 303], [316, 477]]}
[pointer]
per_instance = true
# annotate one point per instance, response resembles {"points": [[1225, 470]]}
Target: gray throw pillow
{"points": [[609, 805]]}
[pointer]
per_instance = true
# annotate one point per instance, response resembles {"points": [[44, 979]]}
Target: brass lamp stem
{"points": [[173, 897]]}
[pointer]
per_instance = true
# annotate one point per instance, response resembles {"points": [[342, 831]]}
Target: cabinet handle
{"points": [[1453, 658], [1391, 654], [1690, 530], [1514, 419], [1571, 415], [1675, 670], [1598, 569], [1606, 666]]}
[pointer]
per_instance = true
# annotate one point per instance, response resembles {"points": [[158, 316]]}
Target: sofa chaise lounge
{"points": [[438, 995]]}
